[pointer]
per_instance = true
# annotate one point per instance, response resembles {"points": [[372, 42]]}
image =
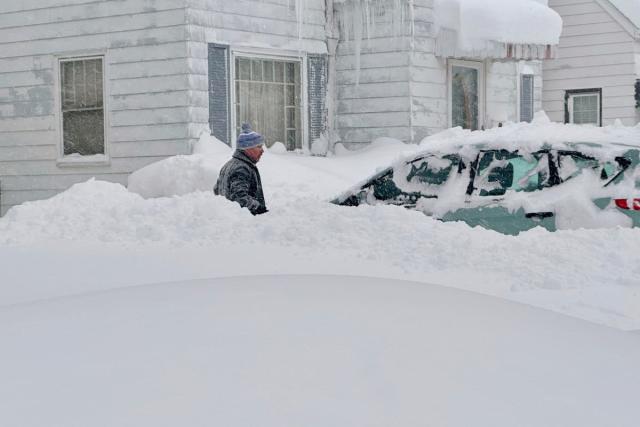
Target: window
{"points": [[500, 170], [268, 96], [526, 98], [583, 107], [82, 106], [466, 94]]}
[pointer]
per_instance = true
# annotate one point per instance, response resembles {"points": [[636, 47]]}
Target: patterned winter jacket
{"points": [[239, 181]]}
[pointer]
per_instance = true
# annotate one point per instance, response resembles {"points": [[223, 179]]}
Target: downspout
{"points": [[332, 34]]}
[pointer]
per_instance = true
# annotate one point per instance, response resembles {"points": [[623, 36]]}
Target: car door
{"points": [[496, 173]]}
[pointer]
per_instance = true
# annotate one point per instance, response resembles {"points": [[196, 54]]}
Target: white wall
{"points": [[147, 79], [595, 51], [503, 89], [390, 94]]}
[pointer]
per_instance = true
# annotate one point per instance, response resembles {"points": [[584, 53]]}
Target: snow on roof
{"points": [[629, 8], [479, 25]]}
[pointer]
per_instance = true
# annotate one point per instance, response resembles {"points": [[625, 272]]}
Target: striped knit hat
{"points": [[248, 138]]}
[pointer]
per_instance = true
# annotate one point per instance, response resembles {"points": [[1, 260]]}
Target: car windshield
{"points": [[432, 170]]}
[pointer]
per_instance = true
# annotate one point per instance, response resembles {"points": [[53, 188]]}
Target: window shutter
{"points": [[526, 98], [317, 76], [219, 92]]}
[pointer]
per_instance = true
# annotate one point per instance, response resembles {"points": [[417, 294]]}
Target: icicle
{"points": [[359, 19]]}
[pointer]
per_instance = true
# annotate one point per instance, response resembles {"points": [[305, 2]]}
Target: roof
{"points": [[630, 9]]}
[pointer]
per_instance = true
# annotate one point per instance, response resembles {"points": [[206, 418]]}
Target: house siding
{"points": [[378, 100], [503, 90], [595, 51], [147, 81], [267, 27]]}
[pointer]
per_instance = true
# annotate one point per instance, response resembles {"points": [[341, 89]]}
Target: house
{"points": [[595, 77], [100, 89]]}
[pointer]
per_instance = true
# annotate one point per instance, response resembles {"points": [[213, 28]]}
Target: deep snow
{"points": [[98, 235], [313, 351]]}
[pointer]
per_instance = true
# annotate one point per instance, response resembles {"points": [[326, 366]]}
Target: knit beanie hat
{"points": [[248, 138]]}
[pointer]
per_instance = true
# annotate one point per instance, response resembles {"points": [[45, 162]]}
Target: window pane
{"points": [[278, 68], [464, 97], [82, 97], [271, 106], [495, 173], [256, 70], [432, 170], [83, 132], [291, 72], [243, 68], [267, 70], [571, 165], [526, 98], [585, 109]]}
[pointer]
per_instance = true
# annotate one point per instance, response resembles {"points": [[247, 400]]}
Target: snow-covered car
{"points": [[509, 189]]}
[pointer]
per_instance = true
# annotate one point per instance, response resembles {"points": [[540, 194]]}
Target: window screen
{"points": [[583, 107], [82, 95], [526, 98], [268, 96]]}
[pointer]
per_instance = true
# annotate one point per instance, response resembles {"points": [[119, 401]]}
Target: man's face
{"points": [[254, 153]]}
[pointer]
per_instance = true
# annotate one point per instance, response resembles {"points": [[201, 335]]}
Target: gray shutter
{"points": [[526, 98], [317, 76], [219, 119]]}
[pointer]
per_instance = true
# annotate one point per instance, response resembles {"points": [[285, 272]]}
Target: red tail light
{"points": [[628, 204]]}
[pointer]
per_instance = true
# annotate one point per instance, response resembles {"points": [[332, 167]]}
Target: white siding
{"points": [[148, 79], [503, 90], [265, 26], [595, 51], [396, 92]]}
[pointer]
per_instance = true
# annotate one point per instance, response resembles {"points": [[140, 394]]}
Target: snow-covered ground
{"points": [[279, 351], [99, 235], [312, 314]]}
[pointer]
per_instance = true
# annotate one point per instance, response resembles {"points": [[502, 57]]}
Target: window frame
{"points": [[482, 82], [274, 55], [63, 160], [571, 94]]}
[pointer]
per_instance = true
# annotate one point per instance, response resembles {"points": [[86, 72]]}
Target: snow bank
{"points": [[180, 175]]}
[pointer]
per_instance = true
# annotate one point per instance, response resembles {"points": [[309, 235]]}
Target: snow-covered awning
{"points": [[516, 29]]}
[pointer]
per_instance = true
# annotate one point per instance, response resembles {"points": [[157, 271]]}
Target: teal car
{"points": [[571, 185]]}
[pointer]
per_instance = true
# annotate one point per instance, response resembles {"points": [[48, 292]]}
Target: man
{"points": [[239, 179]]}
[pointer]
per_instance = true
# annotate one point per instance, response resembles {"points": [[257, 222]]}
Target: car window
{"points": [[433, 170], [501, 170], [571, 164]]}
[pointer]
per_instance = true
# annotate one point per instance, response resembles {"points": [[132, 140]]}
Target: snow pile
{"points": [[592, 274], [479, 22], [180, 175]]}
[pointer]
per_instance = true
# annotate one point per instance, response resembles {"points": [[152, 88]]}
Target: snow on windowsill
{"points": [[80, 160]]}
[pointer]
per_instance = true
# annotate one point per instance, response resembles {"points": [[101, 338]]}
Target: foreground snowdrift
{"points": [[309, 351]]}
